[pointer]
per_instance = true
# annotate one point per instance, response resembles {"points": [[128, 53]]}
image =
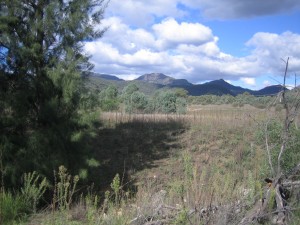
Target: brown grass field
{"points": [[208, 156], [207, 165]]}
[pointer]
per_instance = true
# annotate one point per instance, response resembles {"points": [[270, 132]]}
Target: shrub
{"points": [[33, 189], [12, 207]]}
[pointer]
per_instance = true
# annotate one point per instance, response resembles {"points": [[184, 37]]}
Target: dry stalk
{"points": [[291, 111]]}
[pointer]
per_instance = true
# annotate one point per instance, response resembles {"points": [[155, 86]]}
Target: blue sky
{"points": [[242, 42]]}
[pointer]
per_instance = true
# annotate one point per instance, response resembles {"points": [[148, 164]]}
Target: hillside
{"points": [[149, 83], [159, 78], [106, 76], [268, 90], [99, 83]]}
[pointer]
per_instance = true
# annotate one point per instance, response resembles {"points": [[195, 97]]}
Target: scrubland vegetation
{"points": [[204, 167], [71, 155]]}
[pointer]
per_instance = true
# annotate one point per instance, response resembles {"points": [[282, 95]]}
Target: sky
{"points": [[245, 42]]}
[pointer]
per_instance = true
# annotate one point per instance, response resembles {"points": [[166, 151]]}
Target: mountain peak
{"points": [[155, 78], [160, 78]]}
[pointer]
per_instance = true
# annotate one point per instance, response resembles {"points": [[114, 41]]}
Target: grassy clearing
{"points": [[205, 167]]}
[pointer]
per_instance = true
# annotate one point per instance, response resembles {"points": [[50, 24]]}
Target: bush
{"points": [[12, 207]]}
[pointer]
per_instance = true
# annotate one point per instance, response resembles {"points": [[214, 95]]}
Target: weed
{"points": [[64, 189], [33, 189], [187, 166], [115, 185], [182, 218]]}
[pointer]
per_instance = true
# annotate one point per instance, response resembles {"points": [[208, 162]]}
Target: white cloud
{"points": [[144, 57], [125, 39], [249, 81], [190, 51], [144, 13], [170, 32], [267, 83], [270, 48]]}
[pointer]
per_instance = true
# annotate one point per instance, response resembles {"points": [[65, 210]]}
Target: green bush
{"points": [[13, 207]]}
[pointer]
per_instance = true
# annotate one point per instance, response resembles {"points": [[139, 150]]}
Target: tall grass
{"points": [[218, 164], [208, 170], [217, 116]]}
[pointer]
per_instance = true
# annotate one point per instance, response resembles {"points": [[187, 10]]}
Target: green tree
{"points": [[165, 102], [42, 67], [109, 98], [181, 105], [126, 96], [128, 90], [111, 92], [138, 102], [180, 92]]}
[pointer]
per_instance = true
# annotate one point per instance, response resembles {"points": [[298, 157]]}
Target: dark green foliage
{"points": [[88, 100], [181, 105], [12, 207], [239, 100], [180, 92], [165, 102], [128, 90], [134, 100], [138, 102], [41, 89], [109, 99]]}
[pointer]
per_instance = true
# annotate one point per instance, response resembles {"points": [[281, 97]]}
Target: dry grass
{"points": [[216, 161], [207, 158], [197, 114]]}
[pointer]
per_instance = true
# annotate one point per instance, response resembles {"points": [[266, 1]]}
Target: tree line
{"points": [[132, 100], [237, 101]]}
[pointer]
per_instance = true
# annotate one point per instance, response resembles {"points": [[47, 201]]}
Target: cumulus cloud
{"points": [[156, 40], [170, 32], [125, 39], [188, 50], [249, 81], [269, 48], [143, 13]]}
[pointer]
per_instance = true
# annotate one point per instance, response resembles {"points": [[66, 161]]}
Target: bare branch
{"points": [[268, 149], [287, 121]]}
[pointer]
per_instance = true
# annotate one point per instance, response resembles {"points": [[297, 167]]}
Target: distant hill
{"points": [[270, 90], [149, 83], [208, 89], [106, 76], [160, 78], [234, 90], [99, 83]]}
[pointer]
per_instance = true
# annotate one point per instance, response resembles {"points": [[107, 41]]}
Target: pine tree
{"points": [[42, 67]]}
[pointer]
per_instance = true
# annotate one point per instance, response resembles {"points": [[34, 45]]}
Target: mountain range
{"points": [[148, 83]]}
